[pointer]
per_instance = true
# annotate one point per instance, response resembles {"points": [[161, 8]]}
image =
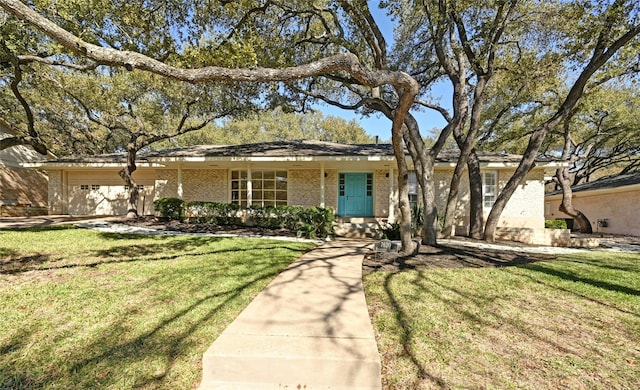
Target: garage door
{"points": [[104, 193]]}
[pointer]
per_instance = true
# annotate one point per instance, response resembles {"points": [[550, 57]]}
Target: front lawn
{"points": [[572, 322], [82, 309]]}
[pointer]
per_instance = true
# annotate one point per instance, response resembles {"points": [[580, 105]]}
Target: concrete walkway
{"points": [[308, 329]]}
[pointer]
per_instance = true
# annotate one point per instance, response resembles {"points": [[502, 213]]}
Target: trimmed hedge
{"points": [[312, 222], [555, 224], [213, 213], [169, 208]]}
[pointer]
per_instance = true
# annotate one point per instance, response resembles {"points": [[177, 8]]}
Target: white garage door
{"points": [[104, 193]]}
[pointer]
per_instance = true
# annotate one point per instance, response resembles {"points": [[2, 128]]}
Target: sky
{"points": [[378, 125]]}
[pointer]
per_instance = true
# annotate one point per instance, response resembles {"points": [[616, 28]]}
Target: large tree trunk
{"points": [[475, 191], [563, 178], [430, 228], [448, 229], [466, 145], [424, 162], [127, 175], [526, 163], [408, 245], [476, 217], [601, 54], [566, 206]]}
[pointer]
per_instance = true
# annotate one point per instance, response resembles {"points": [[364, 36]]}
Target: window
{"points": [[413, 190], [369, 184], [95, 186], [84, 187], [268, 188], [489, 188]]}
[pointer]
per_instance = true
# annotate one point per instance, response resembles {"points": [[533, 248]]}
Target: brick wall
{"points": [[23, 186], [166, 183], [56, 191], [526, 206], [304, 187], [205, 185], [331, 189], [381, 185]]}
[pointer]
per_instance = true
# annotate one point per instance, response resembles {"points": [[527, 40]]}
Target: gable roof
{"points": [[605, 183]]}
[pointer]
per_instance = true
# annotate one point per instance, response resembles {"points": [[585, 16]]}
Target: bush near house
{"points": [[555, 224], [169, 208], [311, 222]]}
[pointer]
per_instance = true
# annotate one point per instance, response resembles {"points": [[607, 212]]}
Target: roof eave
{"points": [[598, 191], [83, 165]]}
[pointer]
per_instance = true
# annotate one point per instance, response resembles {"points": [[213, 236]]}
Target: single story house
{"points": [[23, 191], [610, 203], [358, 181]]}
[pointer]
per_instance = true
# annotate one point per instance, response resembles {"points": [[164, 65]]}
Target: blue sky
{"points": [[378, 124]]}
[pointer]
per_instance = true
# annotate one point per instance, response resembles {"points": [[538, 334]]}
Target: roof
{"points": [[16, 155], [277, 149], [605, 183]]}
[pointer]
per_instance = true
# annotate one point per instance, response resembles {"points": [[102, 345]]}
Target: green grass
{"points": [[573, 322], [82, 309]]}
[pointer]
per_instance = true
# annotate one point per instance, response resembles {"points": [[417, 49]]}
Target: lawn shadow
{"points": [[12, 377], [407, 338], [592, 282], [450, 256], [443, 256], [12, 262], [40, 228], [165, 339], [165, 248]]}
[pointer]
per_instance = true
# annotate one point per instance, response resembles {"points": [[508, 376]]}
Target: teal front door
{"points": [[355, 197]]}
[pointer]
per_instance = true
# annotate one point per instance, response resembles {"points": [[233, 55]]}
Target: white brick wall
{"points": [[205, 185], [331, 189], [381, 185], [304, 187], [56, 191], [166, 183]]}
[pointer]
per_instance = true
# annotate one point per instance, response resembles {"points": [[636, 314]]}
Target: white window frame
{"points": [[253, 187], [412, 187], [489, 188]]}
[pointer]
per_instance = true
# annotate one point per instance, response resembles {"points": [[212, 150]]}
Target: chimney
{"points": [[377, 140]]}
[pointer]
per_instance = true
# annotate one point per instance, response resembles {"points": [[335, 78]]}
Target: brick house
{"points": [[23, 191], [357, 181], [610, 203]]}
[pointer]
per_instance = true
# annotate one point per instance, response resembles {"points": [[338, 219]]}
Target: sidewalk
{"points": [[47, 220], [308, 329]]}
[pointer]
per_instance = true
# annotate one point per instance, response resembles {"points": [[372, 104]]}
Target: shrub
{"points": [[312, 222], [315, 222], [391, 231], [170, 208], [214, 213], [555, 224], [275, 217]]}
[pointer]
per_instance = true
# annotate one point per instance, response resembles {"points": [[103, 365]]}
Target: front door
{"points": [[355, 195]]}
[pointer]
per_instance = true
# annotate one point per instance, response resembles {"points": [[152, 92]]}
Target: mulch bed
{"points": [[449, 256], [158, 224]]}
